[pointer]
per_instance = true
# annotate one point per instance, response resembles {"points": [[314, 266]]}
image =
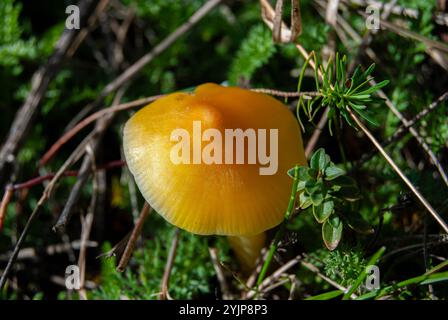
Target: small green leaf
{"points": [[366, 115], [291, 172], [303, 174], [366, 73], [313, 186], [332, 172], [319, 160], [304, 201], [317, 198], [312, 173], [375, 87], [324, 210], [358, 106], [301, 185], [332, 232], [361, 97]]}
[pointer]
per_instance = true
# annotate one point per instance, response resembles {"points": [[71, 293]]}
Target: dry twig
{"points": [[220, 274], [164, 295], [136, 231]]}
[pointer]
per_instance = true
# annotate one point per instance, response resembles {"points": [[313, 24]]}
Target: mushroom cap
{"points": [[221, 199]]}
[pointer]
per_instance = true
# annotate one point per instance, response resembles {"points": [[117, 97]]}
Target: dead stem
{"points": [[164, 295], [219, 274], [86, 167], [4, 204], [129, 249], [285, 94]]}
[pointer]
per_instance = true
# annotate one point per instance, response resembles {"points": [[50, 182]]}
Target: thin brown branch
{"points": [[4, 204], [219, 274], [331, 12], [292, 290], [253, 277], [38, 180], [280, 282], [86, 223], [296, 20], [273, 277], [316, 270], [285, 94], [85, 234], [136, 231], [81, 179], [280, 271], [168, 267], [87, 164], [277, 30], [316, 134]]}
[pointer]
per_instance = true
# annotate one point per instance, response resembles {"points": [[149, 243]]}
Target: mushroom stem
{"points": [[247, 249]]}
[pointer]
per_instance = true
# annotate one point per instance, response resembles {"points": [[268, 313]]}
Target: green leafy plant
{"points": [[338, 91], [324, 187], [12, 47], [255, 51], [344, 265]]}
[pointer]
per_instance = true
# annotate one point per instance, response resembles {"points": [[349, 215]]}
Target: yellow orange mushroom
{"points": [[215, 197]]}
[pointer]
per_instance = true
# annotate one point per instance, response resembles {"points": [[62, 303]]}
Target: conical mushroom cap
{"points": [[222, 199]]}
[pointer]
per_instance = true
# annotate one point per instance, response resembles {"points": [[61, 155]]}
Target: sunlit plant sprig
{"points": [[337, 90], [324, 188]]}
